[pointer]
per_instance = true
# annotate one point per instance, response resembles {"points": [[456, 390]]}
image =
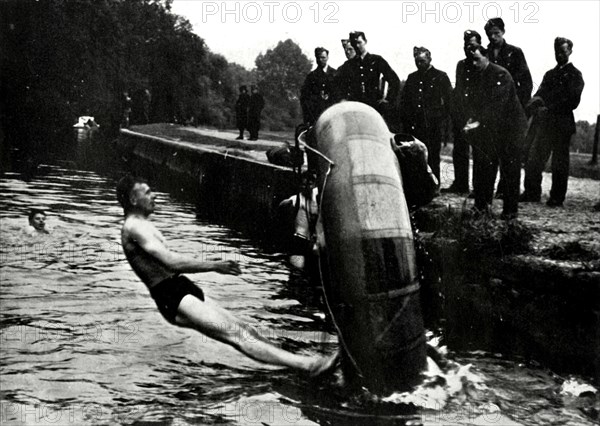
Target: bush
{"points": [[484, 236]]}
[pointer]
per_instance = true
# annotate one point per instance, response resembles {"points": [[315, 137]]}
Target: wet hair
{"points": [[494, 22], [419, 50], [469, 34], [33, 212], [124, 188], [320, 50], [559, 41]]}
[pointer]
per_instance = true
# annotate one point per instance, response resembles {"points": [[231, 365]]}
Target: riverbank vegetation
{"points": [[65, 59]]}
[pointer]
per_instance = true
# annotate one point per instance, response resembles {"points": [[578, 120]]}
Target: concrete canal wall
{"points": [[524, 305], [521, 305], [234, 185]]}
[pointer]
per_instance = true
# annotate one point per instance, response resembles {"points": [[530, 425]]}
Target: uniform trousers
{"points": [[489, 151], [549, 141]]}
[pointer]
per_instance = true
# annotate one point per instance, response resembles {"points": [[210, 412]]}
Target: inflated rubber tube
{"points": [[368, 258]]}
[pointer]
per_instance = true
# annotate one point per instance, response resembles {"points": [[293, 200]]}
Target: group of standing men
{"points": [[247, 112], [488, 110]]}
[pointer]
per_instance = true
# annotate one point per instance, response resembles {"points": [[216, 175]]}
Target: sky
{"points": [[241, 30]]}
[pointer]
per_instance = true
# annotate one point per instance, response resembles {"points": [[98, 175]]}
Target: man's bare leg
{"points": [[216, 322]]}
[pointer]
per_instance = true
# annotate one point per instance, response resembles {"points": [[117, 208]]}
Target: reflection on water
{"points": [[83, 343]]}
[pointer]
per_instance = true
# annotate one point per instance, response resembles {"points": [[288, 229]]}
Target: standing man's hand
{"points": [[230, 267]]}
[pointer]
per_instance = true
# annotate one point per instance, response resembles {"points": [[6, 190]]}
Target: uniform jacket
{"points": [[317, 93], [512, 58], [341, 82], [496, 107], [561, 92], [466, 78], [360, 80], [426, 99]]}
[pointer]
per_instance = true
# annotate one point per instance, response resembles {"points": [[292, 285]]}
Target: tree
{"points": [[583, 139], [281, 72], [66, 58]]}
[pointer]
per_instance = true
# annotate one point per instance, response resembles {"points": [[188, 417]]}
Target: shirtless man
{"points": [[179, 300]]}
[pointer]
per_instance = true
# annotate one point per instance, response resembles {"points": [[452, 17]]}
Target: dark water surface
{"points": [[83, 343]]}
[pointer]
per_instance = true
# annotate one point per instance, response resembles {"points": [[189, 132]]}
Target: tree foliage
{"points": [[66, 58], [583, 139], [281, 72]]}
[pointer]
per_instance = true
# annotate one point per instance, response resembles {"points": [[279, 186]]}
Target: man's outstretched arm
{"points": [[177, 262]]}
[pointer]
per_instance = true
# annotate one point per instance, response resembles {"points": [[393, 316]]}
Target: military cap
{"points": [[418, 50], [469, 34], [354, 35]]}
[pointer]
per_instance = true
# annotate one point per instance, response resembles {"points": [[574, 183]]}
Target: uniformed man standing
{"points": [[513, 60], [348, 49], [509, 57], [553, 105], [341, 86], [255, 106], [317, 92], [425, 106], [495, 129], [366, 76], [463, 91]]}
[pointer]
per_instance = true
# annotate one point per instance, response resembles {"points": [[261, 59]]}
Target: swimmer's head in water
{"points": [[37, 219], [134, 194]]}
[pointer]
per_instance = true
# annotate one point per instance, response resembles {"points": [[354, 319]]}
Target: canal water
{"points": [[83, 343]]}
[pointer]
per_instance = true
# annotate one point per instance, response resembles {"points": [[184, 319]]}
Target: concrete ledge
{"points": [[236, 187]]}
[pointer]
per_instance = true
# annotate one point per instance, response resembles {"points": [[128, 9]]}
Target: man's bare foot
{"points": [[323, 365]]}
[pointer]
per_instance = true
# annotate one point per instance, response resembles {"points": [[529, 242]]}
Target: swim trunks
{"points": [[168, 294]]}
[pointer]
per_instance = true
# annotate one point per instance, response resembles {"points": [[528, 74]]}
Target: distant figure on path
{"points": [[146, 103], [553, 105], [125, 109], [182, 302], [241, 111], [255, 107]]}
